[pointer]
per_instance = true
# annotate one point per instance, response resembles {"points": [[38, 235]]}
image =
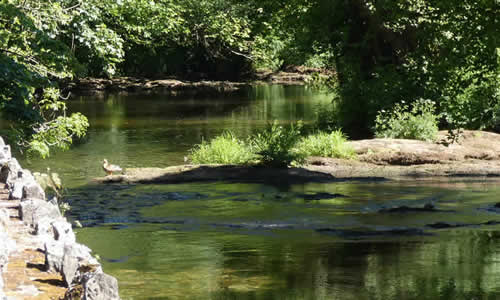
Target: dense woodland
{"points": [[383, 52]]}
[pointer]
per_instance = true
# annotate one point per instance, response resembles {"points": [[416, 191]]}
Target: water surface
{"points": [[229, 240]]}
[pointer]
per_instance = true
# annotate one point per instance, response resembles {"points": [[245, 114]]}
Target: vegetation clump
{"points": [[223, 149], [275, 144], [418, 121], [333, 144]]}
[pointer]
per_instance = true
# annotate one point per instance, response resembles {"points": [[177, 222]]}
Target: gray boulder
{"points": [[101, 287], [53, 201], [32, 190], [5, 154], [7, 246], [2, 294], [1, 286], [44, 227], [10, 171], [4, 217], [16, 190], [54, 253], [63, 231], [32, 211], [76, 261]]}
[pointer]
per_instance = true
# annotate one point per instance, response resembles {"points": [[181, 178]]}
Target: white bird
{"points": [[109, 168]]}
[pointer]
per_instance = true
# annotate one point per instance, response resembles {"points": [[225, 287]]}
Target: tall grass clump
{"points": [[223, 149], [275, 144], [333, 144], [418, 122]]}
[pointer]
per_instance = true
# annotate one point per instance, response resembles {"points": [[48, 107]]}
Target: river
{"points": [[259, 241]]}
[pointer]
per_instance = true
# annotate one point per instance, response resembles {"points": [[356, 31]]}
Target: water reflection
{"points": [[158, 130], [257, 241]]}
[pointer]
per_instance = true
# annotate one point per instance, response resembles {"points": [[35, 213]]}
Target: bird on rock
{"points": [[109, 168]]}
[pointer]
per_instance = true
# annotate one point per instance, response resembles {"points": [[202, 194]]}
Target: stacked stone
{"points": [[81, 272], [7, 245]]}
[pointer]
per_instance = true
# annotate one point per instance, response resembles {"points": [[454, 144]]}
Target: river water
{"points": [[260, 241]]}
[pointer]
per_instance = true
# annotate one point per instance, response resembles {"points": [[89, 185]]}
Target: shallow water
{"points": [[229, 240]]}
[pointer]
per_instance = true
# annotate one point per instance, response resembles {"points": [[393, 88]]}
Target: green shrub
{"points": [[324, 144], [223, 149], [417, 122], [275, 143]]}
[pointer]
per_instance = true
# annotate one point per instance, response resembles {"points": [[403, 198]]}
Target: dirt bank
{"points": [[477, 154]]}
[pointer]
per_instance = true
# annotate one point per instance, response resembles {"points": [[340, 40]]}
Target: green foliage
{"points": [[224, 149], [333, 144], [404, 122], [43, 43], [275, 144], [58, 132], [385, 51]]}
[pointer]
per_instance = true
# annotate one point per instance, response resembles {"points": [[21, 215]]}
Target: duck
{"points": [[109, 168]]}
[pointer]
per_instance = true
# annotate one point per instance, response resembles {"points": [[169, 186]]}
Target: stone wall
{"points": [[81, 272]]}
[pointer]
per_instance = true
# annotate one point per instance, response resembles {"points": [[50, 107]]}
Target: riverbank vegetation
{"points": [[276, 146], [381, 53]]}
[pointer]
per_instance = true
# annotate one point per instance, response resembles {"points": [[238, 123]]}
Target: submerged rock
{"points": [[444, 225], [406, 209], [357, 234], [323, 195]]}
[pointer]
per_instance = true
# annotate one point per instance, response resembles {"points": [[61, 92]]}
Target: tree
{"points": [[388, 51], [38, 41]]}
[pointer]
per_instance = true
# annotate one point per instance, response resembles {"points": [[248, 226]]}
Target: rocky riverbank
{"points": [[476, 154], [39, 255], [290, 76]]}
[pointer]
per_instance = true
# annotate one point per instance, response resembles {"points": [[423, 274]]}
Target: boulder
{"points": [[4, 217], [33, 210], [53, 201], [63, 232], [16, 190], [7, 246], [4, 251], [5, 154], [1, 286], [44, 227], [75, 256], [54, 253], [12, 169], [32, 190], [101, 287]]}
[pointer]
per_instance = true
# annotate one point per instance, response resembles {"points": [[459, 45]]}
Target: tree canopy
{"points": [[383, 52]]}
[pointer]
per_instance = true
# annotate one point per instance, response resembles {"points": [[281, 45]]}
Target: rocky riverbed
{"points": [[476, 154], [39, 255]]}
